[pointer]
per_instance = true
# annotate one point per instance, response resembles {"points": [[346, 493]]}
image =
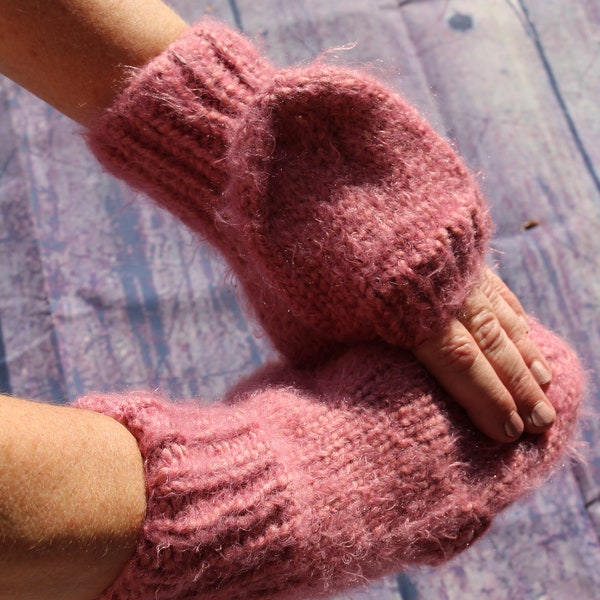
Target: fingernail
{"points": [[543, 414], [514, 426], [540, 373]]}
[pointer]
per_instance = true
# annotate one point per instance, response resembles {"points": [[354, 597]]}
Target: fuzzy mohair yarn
{"points": [[343, 214], [355, 232], [308, 482]]}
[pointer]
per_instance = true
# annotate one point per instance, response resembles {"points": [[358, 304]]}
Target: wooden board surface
{"points": [[100, 290]]}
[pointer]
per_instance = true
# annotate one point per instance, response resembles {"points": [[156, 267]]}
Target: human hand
{"points": [[487, 363]]}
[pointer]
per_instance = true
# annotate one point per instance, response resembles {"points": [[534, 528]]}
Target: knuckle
{"points": [[516, 327], [518, 333], [487, 286], [488, 332], [500, 401], [458, 352], [519, 383]]}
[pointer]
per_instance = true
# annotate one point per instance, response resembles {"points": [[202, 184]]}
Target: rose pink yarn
{"points": [[311, 482], [344, 215], [351, 225]]}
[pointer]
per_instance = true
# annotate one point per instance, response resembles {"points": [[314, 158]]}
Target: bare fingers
{"points": [[490, 366]]}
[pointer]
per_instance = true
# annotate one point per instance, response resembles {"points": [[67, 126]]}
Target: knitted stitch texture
{"points": [[310, 482], [344, 215], [349, 223]]}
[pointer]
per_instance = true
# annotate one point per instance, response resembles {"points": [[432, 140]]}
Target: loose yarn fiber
{"points": [[343, 214], [304, 483], [356, 232]]}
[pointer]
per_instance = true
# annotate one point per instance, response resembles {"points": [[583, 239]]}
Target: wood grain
{"points": [[101, 290]]}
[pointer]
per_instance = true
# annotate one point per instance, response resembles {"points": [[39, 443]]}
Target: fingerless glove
{"points": [[345, 217], [306, 483]]}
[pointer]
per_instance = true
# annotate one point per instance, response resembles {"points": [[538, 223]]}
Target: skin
{"points": [[72, 485], [73, 53], [487, 362], [71, 503]]}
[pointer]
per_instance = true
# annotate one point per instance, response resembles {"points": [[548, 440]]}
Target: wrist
{"points": [[75, 54], [71, 503]]}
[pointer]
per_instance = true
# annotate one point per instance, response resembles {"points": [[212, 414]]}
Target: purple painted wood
{"points": [[101, 290], [28, 338]]}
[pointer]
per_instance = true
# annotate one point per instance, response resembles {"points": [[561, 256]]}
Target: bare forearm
{"points": [[74, 54], [72, 499]]}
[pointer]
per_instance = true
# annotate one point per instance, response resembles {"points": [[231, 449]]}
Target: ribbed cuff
{"points": [[220, 505], [168, 131]]}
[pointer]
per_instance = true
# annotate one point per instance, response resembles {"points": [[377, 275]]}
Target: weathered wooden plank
{"points": [[29, 343], [567, 39], [191, 11], [354, 33], [499, 108]]}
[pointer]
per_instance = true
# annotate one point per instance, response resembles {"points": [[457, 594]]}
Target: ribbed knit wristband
{"points": [[344, 215], [312, 482]]}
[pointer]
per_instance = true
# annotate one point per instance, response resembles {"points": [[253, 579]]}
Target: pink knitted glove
{"points": [[344, 215], [314, 482]]}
